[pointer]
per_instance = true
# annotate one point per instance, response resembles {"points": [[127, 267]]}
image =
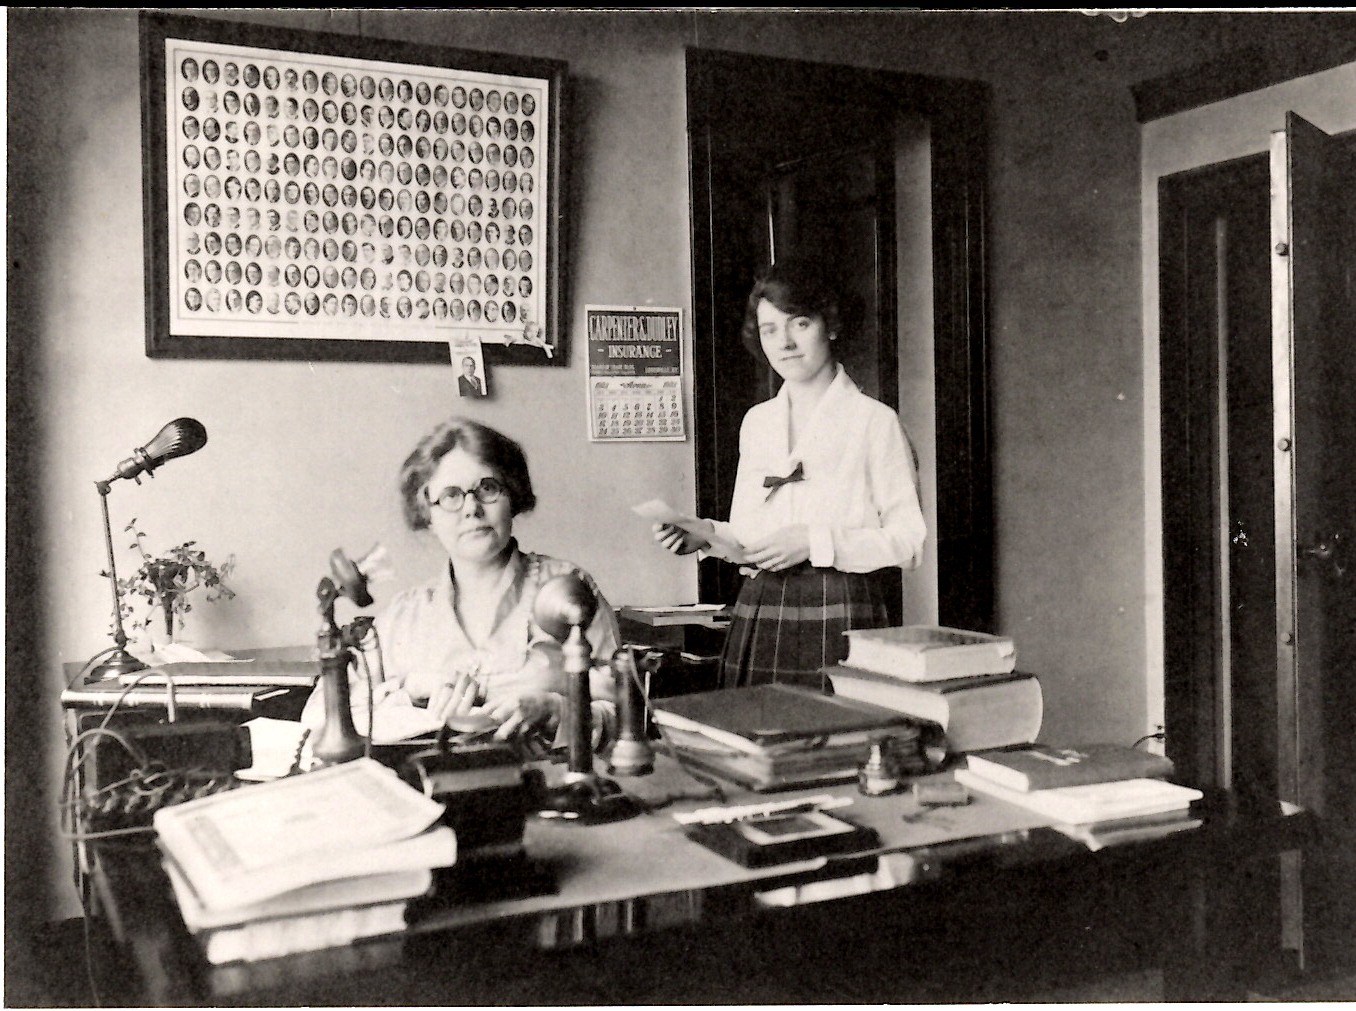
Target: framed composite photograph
{"points": [[313, 196]]}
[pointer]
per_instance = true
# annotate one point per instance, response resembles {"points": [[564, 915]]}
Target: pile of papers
{"points": [[303, 862]]}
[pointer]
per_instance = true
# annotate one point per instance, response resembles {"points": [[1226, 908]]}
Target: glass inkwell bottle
{"points": [[880, 773]]}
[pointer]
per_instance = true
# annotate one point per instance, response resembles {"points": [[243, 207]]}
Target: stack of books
{"points": [[966, 683], [302, 863], [1099, 794], [772, 737]]}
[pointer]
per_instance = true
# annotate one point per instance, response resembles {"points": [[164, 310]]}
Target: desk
{"points": [[224, 752], [642, 915]]}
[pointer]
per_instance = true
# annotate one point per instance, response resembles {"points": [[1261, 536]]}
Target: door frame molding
{"points": [[956, 112]]}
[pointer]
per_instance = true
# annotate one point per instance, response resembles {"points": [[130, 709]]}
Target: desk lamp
{"points": [[564, 605], [179, 438], [339, 740]]}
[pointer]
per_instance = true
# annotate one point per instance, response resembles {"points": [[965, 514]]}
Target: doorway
{"points": [[1220, 604], [1258, 290], [789, 155]]}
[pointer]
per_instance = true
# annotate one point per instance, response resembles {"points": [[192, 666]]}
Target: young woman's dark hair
{"points": [[796, 286], [494, 449]]}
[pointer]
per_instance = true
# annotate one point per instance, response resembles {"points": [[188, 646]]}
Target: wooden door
{"points": [[1218, 552], [1313, 264]]}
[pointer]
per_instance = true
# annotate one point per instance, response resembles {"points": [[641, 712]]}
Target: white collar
{"points": [[840, 390]]}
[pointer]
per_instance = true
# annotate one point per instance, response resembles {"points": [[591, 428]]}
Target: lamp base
{"points": [[120, 662], [586, 798]]}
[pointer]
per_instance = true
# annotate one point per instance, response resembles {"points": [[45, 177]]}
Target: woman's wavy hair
{"points": [[794, 285], [492, 448]]}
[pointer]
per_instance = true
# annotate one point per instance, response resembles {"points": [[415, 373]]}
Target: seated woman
{"points": [[465, 643]]}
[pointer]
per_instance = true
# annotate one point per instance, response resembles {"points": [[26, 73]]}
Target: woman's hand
{"points": [[383, 690], [678, 540], [529, 712], [781, 549], [456, 698]]}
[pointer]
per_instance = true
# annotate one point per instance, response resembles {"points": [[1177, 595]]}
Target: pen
{"points": [[722, 815], [801, 808]]}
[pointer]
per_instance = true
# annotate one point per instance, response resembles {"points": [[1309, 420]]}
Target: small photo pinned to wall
{"points": [[469, 362]]}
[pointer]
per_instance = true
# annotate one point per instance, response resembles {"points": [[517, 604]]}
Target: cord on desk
{"points": [[375, 638], [147, 788], [715, 790], [1159, 736], [89, 665], [68, 804], [89, 954]]}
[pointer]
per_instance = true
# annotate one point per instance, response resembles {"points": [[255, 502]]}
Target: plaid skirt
{"points": [[787, 626]]}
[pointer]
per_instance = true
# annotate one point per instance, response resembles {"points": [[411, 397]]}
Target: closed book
{"points": [[768, 716], [300, 673], [748, 772], [1120, 831], [259, 699], [1042, 766], [326, 896], [252, 942], [1092, 802], [985, 711], [929, 652]]}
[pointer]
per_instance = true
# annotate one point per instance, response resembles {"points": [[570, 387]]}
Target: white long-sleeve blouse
{"points": [[858, 494]]}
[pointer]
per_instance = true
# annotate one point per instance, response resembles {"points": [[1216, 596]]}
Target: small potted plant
{"points": [[166, 580]]}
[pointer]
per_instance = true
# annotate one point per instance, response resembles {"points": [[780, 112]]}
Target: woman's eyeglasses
{"points": [[451, 498]]}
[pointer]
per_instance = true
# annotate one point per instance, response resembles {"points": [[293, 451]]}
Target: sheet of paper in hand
{"points": [[659, 511]]}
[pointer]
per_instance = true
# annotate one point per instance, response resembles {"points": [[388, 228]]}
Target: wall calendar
{"points": [[635, 378]]}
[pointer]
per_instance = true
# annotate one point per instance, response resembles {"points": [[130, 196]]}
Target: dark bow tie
{"points": [[774, 482]]}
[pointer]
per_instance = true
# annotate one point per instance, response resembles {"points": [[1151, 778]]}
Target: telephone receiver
{"points": [[351, 578]]}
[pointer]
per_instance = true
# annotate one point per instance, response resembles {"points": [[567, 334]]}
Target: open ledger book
{"points": [[258, 842]]}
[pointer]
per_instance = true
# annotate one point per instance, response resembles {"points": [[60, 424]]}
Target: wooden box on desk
{"points": [[690, 639], [206, 732]]}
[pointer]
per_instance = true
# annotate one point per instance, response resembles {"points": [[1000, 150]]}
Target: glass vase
{"points": [[166, 628]]}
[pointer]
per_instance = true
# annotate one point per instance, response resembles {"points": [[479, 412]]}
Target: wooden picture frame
{"points": [[324, 197]]}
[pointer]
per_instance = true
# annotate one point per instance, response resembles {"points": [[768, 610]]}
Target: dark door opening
{"points": [[1219, 552], [1218, 541], [786, 155]]}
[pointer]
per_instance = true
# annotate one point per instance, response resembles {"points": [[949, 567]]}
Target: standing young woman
{"points": [[825, 495]]}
